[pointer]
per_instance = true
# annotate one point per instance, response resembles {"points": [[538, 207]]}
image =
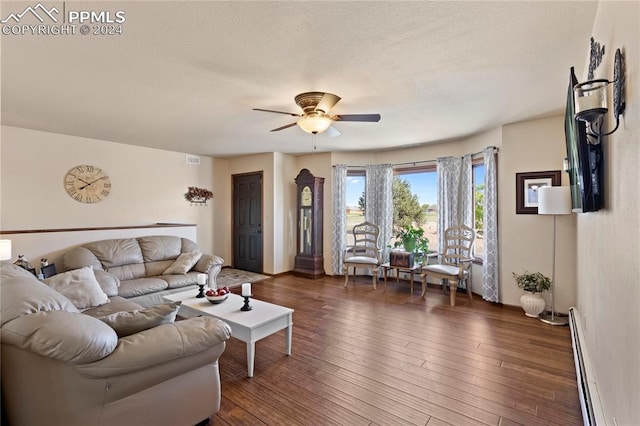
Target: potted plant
{"points": [[412, 240], [533, 283]]}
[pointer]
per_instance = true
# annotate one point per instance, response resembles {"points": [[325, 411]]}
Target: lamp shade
{"points": [[554, 200], [5, 249], [314, 123]]}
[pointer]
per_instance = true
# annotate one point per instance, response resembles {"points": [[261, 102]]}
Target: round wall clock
{"points": [[87, 184]]}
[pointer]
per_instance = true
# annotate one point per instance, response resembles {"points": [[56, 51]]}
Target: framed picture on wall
{"points": [[527, 185]]}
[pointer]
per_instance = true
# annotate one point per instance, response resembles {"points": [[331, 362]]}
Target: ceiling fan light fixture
{"points": [[314, 123]]}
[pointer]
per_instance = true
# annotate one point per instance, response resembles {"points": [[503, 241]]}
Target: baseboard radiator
{"points": [[592, 413]]}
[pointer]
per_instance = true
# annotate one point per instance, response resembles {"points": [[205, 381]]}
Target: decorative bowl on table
{"points": [[218, 295], [217, 299]]}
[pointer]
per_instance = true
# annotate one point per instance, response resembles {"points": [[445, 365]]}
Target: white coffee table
{"points": [[249, 326]]}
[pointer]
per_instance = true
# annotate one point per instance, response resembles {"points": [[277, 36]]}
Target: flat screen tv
{"points": [[585, 159]]}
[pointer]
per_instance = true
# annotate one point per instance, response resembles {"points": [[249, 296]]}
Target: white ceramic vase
{"points": [[533, 304]]}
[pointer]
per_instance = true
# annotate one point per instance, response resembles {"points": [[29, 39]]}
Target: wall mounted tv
{"points": [[586, 161]]}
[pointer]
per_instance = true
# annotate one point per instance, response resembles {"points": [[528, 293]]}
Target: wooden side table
{"points": [[417, 268]]}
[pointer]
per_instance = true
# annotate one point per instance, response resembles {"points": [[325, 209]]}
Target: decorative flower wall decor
{"points": [[198, 196]]}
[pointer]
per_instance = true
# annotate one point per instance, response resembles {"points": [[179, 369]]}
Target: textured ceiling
{"points": [[184, 76]]}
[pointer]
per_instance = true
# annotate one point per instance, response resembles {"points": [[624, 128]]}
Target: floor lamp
{"points": [[554, 200]]}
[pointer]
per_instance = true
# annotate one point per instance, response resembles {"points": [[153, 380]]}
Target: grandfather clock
{"points": [[309, 262]]}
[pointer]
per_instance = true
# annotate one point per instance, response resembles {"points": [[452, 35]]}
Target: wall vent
{"points": [[193, 159]]}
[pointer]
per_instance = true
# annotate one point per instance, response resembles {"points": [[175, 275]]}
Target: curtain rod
{"points": [[424, 161]]}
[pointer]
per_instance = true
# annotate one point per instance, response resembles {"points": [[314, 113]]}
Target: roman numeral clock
{"points": [[309, 262], [87, 184]]}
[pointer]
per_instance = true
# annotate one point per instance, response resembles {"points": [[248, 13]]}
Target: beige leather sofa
{"points": [[137, 264], [64, 367]]}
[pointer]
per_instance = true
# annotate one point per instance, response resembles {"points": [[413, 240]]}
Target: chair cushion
{"points": [[362, 260], [441, 269]]}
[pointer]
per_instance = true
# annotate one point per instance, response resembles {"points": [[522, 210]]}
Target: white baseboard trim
{"points": [[592, 412]]}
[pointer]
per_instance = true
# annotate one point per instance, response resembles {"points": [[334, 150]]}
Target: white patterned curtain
{"points": [[455, 195], [379, 202], [339, 218], [490, 221]]}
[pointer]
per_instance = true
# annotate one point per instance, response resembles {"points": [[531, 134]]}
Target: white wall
{"points": [[608, 263], [526, 240], [148, 186]]}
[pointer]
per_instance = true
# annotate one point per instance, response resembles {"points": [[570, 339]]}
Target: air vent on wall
{"points": [[193, 159]]}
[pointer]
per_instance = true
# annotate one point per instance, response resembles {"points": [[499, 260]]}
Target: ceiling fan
{"points": [[315, 116]]}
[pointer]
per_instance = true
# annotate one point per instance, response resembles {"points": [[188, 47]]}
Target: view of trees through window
{"points": [[414, 202], [355, 190], [478, 203], [415, 197]]}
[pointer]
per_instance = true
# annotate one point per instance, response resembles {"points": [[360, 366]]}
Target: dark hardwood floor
{"points": [[365, 357]]}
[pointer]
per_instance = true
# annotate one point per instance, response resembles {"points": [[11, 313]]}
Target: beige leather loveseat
{"points": [[146, 268], [64, 367]]}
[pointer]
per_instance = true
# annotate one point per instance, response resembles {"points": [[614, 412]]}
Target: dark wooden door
{"points": [[247, 222]]}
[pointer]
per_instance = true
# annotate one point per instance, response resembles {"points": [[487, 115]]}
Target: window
{"points": [[478, 209], [415, 196], [355, 201]]}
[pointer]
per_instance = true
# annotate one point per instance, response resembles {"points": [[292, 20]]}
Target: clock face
{"points": [[87, 184], [305, 196]]}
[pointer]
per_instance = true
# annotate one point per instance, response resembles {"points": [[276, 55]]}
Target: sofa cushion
{"points": [[183, 263], [49, 334], [160, 247], [127, 323], [8, 269], [109, 283], [79, 286], [79, 257], [157, 267], [177, 281], [140, 286], [117, 252], [116, 304], [26, 295]]}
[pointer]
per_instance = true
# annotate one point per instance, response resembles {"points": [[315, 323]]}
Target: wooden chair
{"points": [[364, 253], [455, 261]]}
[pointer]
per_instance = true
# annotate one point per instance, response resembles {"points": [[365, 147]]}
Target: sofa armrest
{"points": [[158, 345], [211, 265], [208, 261]]}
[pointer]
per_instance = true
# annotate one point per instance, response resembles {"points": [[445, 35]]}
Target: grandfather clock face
{"points": [[306, 197]]}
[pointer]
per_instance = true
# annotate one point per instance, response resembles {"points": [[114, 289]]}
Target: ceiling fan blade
{"points": [[332, 132], [357, 117], [278, 112], [328, 101], [284, 127]]}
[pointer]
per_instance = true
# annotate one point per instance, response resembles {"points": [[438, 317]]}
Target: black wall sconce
{"points": [[591, 103]]}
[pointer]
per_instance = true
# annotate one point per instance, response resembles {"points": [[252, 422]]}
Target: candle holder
{"points": [[246, 306], [201, 292]]}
